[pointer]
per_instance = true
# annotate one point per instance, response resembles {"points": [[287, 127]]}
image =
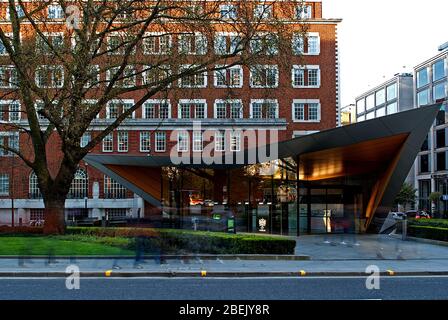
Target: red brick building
{"points": [[296, 100]]}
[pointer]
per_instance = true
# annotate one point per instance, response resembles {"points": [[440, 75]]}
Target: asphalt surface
{"points": [[340, 288]]}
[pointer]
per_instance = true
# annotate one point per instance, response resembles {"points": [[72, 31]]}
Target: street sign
{"points": [[445, 197]]}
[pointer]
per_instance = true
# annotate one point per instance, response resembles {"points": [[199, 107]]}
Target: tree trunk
{"points": [[54, 216]]}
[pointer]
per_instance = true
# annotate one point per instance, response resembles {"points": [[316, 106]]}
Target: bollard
{"points": [[404, 228]]}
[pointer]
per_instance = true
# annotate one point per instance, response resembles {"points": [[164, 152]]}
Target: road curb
{"points": [[218, 274], [176, 257]]}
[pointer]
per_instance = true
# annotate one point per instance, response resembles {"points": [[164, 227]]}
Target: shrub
{"points": [[171, 241], [428, 232], [7, 230]]}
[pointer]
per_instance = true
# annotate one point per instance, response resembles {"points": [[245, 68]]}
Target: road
{"points": [[391, 288]]}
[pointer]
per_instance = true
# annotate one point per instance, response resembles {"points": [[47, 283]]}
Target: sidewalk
{"points": [[337, 257]]}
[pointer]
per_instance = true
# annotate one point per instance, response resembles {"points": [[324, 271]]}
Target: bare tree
{"points": [[63, 54]]}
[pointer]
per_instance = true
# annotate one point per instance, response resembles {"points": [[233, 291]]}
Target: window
{"points": [[117, 44], [192, 44], [4, 184], [156, 109], [442, 118], [391, 92], [263, 11], [361, 118], [264, 43], [126, 79], [123, 141], [441, 159], [370, 115], [392, 108], [196, 109], [14, 111], [381, 112], [34, 187], [55, 12], [425, 145], [79, 186], [85, 139], [113, 190], [370, 102], [360, 106], [50, 43], [423, 97], [196, 80], [422, 78], [231, 77], [108, 143], [235, 141], [225, 109], [10, 139], [145, 141], [93, 76], [19, 11], [197, 141], [380, 97], [50, 76], [160, 141], [424, 163], [306, 76], [438, 70], [441, 138], [220, 141], [439, 91], [306, 110], [8, 77], [304, 12], [157, 43], [116, 213], [115, 108], [228, 11], [37, 214], [154, 75], [264, 109], [264, 76], [183, 139], [311, 40], [227, 43]]}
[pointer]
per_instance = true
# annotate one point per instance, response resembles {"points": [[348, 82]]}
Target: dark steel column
{"points": [[298, 196]]}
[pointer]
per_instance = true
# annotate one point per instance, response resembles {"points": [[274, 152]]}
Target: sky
{"points": [[379, 38]]}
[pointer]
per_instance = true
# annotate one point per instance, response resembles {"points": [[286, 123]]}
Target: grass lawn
{"points": [[61, 246]]}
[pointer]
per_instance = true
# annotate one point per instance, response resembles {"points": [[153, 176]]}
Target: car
{"points": [[423, 215], [398, 215]]}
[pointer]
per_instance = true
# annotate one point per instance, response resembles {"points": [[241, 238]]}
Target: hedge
{"points": [[6, 230], [438, 223], [171, 241], [428, 232]]}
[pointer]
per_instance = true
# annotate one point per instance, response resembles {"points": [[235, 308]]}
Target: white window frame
{"points": [[198, 36], [85, 139], [227, 80], [222, 135], [50, 68], [120, 82], [274, 101], [122, 48], [108, 138], [11, 69], [265, 67], [5, 181], [204, 75], [235, 141], [230, 46], [158, 36], [48, 35], [198, 140], [148, 70], [57, 10], [306, 103], [228, 11], [156, 145], [304, 11], [122, 102], [19, 10], [306, 81], [9, 103], [315, 35], [158, 102], [192, 112], [263, 11], [145, 147], [183, 141], [228, 111], [122, 141]]}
